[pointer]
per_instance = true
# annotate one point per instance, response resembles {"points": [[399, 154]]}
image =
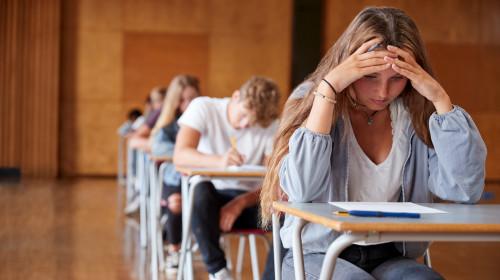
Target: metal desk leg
{"points": [[141, 180], [276, 246], [159, 229], [298, 260], [130, 189], [186, 261], [153, 218], [184, 191], [121, 171], [334, 251]]}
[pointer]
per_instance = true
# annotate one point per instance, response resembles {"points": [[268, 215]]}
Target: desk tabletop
{"points": [[459, 218], [218, 171], [162, 159]]}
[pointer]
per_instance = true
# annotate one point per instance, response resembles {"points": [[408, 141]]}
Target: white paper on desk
{"points": [[247, 167], [406, 207]]}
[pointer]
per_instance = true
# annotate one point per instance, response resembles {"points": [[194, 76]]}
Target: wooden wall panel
{"points": [[488, 123], [452, 21], [154, 59], [463, 42], [174, 16], [96, 87], [70, 40], [115, 51], [29, 86], [249, 38], [99, 15]]}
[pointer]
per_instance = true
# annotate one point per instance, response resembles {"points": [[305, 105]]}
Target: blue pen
{"points": [[383, 214], [373, 47]]}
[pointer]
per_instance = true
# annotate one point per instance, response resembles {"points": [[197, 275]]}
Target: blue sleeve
{"points": [[163, 146], [305, 172], [457, 162]]}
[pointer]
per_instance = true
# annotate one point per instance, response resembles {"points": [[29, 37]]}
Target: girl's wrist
{"points": [[443, 104], [333, 82]]}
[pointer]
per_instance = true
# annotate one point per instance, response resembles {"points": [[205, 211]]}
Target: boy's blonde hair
{"points": [[261, 95]]}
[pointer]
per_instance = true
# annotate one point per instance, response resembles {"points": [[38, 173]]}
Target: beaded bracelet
{"points": [[324, 97], [334, 91]]}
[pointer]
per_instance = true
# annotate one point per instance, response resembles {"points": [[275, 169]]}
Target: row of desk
{"points": [[461, 222]]}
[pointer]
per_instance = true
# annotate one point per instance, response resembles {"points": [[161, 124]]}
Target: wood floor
{"points": [[75, 229]]}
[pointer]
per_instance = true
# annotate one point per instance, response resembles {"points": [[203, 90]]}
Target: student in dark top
{"points": [[139, 139]]}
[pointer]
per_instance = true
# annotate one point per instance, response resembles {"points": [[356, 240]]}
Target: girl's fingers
{"points": [[402, 67], [406, 55], [410, 75], [398, 62], [366, 45], [377, 54], [372, 62], [373, 69]]}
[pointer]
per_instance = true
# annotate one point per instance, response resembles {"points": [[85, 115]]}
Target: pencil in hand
{"points": [[233, 142]]}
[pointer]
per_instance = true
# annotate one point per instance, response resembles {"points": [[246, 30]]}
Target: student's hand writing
{"points": [[424, 83], [229, 213], [231, 157], [357, 65]]}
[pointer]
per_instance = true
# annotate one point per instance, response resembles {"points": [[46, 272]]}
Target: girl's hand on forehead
{"points": [[424, 83], [359, 64]]}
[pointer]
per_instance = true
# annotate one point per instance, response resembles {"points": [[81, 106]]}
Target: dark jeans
{"points": [[207, 203], [381, 261], [173, 226]]}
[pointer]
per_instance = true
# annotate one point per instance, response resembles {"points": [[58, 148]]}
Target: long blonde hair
{"points": [[396, 28], [171, 104]]}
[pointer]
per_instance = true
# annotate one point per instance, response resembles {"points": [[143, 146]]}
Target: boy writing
{"points": [[204, 140]]}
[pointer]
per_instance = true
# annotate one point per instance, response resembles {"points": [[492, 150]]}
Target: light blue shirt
{"points": [[316, 170], [163, 146]]}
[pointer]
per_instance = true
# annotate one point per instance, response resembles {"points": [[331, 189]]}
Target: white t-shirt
{"points": [[209, 117], [370, 182]]}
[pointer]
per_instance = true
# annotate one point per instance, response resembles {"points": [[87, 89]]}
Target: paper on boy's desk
{"points": [[406, 207], [247, 167]]}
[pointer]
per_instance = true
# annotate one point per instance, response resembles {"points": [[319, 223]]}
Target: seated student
{"points": [[372, 124], [148, 108], [139, 140], [182, 90], [126, 127], [204, 140]]}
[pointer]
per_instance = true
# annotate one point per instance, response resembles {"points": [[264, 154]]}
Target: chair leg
{"points": [[227, 247], [159, 238], [427, 258], [241, 253], [255, 259], [264, 238]]}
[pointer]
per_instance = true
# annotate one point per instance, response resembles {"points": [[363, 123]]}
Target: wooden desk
{"points": [[191, 178], [460, 223]]}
